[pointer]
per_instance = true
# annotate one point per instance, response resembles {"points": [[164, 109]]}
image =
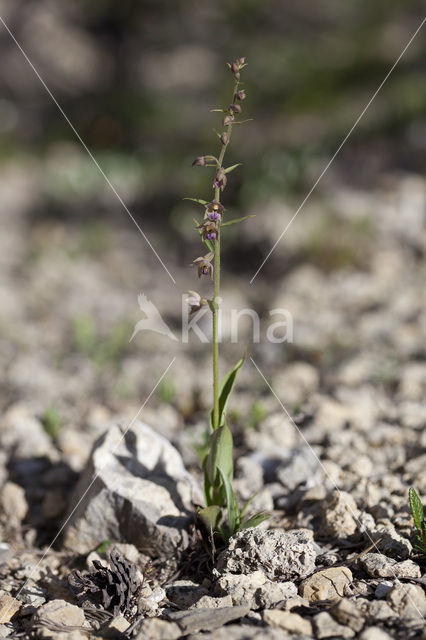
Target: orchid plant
{"points": [[218, 463]]}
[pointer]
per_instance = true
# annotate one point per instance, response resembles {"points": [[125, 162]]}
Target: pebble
{"points": [[326, 627], [291, 622], [378, 565], [8, 607], [339, 515], [57, 613], [255, 590], [328, 584]]}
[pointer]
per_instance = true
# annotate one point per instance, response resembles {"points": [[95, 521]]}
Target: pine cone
{"points": [[115, 587]]}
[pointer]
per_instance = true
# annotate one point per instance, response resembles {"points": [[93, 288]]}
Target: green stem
{"points": [[215, 305]]}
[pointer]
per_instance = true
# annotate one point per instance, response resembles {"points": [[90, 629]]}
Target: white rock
{"points": [[374, 633], [135, 489], [339, 517], [283, 555], [255, 590], [328, 584], [326, 627], [57, 613], [291, 622], [379, 566]]}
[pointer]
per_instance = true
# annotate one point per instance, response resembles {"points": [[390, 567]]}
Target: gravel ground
{"points": [[328, 429]]}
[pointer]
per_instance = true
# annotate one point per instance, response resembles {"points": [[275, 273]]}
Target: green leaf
{"points": [[231, 504], [220, 110], [234, 166], [220, 457], [103, 546], [255, 520], [235, 220], [207, 486], [225, 388], [210, 517], [242, 121], [416, 508], [247, 504], [203, 202], [209, 245]]}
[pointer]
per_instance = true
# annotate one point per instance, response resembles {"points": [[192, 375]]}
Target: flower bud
{"points": [[235, 68], [224, 138], [235, 108], [241, 61], [199, 162], [240, 95], [228, 120]]}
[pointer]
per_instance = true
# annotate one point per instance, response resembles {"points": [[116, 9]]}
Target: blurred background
{"points": [[138, 80]]}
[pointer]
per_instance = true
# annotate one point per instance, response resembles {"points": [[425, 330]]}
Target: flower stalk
{"points": [[218, 463]]}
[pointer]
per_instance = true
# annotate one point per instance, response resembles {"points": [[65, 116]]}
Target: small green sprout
{"points": [[416, 509], [52, 422], [166, 391]]}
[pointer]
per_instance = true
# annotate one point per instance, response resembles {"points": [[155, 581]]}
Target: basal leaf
{"points": [[247, 504], [210, 517], [254, 520], [220, 454], [416, 508], [208, 485], [235, 220], [231, 504]]}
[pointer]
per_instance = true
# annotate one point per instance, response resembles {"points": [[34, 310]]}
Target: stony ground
{"points": [[330, 447]]}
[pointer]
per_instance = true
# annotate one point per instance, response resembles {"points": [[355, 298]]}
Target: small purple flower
{"points": [[214, 211], [199, 162], [205, 268], [210, 229]]}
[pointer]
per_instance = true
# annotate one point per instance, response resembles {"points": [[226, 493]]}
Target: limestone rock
{"points": [[57, 613], [13, 505], [158, 629], [8, 607], [135, 489], [374, 633], [379, 566], [339, 517], [206, 619], [348, 613], [283, 555], [326, 627], [291, 622], [403, 595], [255, 590], [328, 584], [243, 632]]}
